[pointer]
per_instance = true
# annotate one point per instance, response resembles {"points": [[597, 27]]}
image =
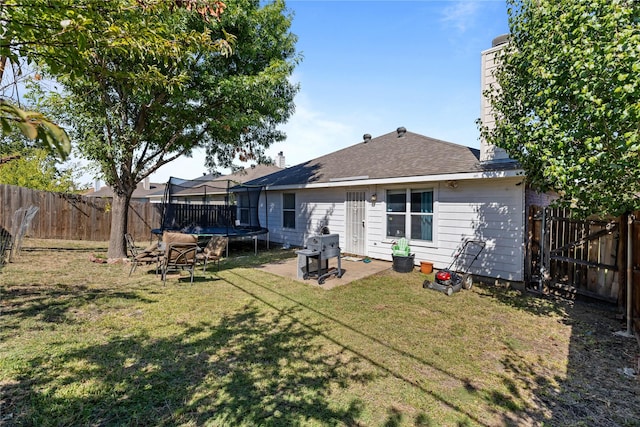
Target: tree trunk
{"points": [[3, 63], [119, 220]]}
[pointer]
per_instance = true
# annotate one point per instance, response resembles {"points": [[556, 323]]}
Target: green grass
{"points": [[81, 343]]}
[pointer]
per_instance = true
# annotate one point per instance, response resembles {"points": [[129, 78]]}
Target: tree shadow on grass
{"points": [[540, 305], [55, 304], [397, 416], [253, 368], [593, 390]]}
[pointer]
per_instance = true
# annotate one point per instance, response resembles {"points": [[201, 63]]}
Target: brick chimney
{"points": [[488, 152], [280, 160]]}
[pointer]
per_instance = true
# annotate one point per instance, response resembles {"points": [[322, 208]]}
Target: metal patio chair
{"points": [[213, 251], [150, 255], [179, 256]]}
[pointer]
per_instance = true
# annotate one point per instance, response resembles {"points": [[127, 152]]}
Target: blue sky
{"points": [[372, 66]]}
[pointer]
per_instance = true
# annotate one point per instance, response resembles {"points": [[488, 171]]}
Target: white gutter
{"points": [[346, 182]]}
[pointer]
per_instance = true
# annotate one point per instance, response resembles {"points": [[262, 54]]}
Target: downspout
{"points": [[266, 213], [228, 219]]}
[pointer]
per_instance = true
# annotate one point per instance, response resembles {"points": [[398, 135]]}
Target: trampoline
{"points": [[219, 207]]}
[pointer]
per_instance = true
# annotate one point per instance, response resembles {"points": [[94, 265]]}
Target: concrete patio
{"points": [[352, 269]]}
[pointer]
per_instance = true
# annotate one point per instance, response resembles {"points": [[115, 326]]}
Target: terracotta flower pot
{"points": [[426, 267]]}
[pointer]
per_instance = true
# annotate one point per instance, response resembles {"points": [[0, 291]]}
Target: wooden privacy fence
{"points": [[73, 217], [583, 256]]}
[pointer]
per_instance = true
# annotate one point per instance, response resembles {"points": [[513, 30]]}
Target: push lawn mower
{"points": [[450, 281]]}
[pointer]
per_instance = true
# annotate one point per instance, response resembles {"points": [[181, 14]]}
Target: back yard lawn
{"points": [[83, 344]]}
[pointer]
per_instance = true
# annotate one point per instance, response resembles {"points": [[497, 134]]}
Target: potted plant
{"points": [[403, 259]]}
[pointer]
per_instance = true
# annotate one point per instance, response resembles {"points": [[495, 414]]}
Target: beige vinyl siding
{"points": [[487, 209], [315, 208], [491, 210]]}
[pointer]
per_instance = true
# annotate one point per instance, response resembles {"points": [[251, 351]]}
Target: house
{"points": [[143, 193], [435, 193], [212, 189], [206, 189], [402, 184]]}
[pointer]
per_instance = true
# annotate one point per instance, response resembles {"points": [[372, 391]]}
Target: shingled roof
{"points": [[139, 193], [393, 155]]}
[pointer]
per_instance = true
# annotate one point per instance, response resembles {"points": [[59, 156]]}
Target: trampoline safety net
{"points": [[196, 205]]}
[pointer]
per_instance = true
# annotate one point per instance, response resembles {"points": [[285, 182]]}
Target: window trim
{"points": [[289, 210], [242, 207], [408, 215]]}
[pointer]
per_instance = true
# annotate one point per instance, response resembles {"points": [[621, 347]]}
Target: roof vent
{"points": [[401, 131], [366, 137]]}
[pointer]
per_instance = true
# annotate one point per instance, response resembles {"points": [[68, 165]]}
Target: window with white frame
{"points": [[243, 208], [410, 214], [289, 210]]}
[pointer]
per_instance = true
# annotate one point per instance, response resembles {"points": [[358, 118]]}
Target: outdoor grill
{"points": [[313, 260]]}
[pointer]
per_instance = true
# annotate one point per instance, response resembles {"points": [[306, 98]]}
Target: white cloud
{"points": [[182, 167], [460, 15], [311, 134]]}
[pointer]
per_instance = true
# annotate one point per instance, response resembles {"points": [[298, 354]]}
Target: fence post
{"points": [[629, 280], [543, 239]]}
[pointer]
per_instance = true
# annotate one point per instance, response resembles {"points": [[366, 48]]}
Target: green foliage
{"points": [[168, 80], [26, 24], [34, 125], [567, 101], [37, 169], [59, 33], [145, 82], [63, 36]]}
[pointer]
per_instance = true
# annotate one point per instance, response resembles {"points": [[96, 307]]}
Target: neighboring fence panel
{"points": [[584, 257], [73, 217]]}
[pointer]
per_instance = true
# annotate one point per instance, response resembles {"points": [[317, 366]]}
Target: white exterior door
{"points": [[355, 224]]}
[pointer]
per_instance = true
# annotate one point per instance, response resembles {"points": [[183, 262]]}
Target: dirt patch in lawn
{"points": [[602, 371], [602, 382]]}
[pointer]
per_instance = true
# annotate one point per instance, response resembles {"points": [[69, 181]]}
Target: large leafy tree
{"points": [[56, 33], [567, 100], [162, 80], [19, 32]]}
